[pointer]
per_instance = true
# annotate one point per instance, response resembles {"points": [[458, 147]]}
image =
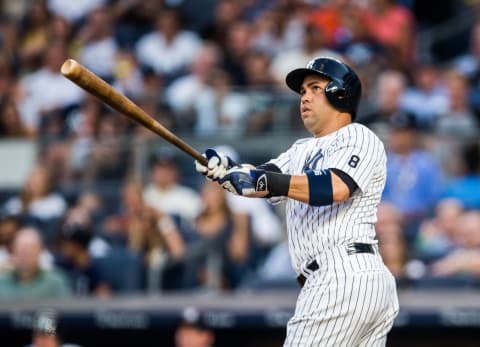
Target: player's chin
{"points": [[308, 122]]}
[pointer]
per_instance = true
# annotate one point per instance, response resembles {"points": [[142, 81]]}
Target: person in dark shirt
{"points": [[83, 270]]}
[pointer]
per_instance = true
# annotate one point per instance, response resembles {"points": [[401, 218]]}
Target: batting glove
{"points": [[218, 164], [243, 181]]}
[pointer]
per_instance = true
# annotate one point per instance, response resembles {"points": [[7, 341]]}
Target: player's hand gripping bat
{"points": [[93, 84]]}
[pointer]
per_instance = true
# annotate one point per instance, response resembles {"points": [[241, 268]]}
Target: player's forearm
{"points": [[299, 188]]}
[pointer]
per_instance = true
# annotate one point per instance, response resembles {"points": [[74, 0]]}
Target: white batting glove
{"points": [[218, 164]]}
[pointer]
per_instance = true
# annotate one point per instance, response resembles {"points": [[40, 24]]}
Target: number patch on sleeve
{"points": [[354, 160]]}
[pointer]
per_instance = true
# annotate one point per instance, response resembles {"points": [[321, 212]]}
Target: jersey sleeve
{"points": [[358, 154]]}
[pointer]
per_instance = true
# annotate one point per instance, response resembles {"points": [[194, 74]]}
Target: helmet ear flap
{"points": [[336, 94]]}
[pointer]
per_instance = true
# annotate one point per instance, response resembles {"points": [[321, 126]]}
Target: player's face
{"points": [[317, 114]]}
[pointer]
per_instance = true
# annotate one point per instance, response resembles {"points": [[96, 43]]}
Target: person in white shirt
{"points": [[166, 194], [98, 46], [169, 49], [37, 198], [46, 90]]}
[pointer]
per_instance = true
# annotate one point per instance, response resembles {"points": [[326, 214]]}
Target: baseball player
{"points": [[333, 182]]}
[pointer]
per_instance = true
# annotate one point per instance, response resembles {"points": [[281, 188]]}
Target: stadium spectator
{"points": [[340, 23], [148, 232], [464, 260], [235, 51], [38, 198], [35, 104], [226, 239], [61, 30], [193, 331], [392, 25], [83, 271], [468, 64], [458, 119], [11, 125], [182, 93], [166, 194], [427, 98], [436, 235], [109, 158], [170, 48], [10, 225], [415, 178], [226, 13], [389, 87], [28, 279], [219, 108], [127, 75], [261, 115], [466, 186], [69, 159], [277, 29], [96, 45], [34, 35], [133, 19]]}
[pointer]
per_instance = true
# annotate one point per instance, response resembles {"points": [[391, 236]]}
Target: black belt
{"points": [[352, 248]]}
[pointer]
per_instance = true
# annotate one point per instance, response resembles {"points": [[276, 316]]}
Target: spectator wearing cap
{"points": [[165, 192], [27, 279], [414, 177], [193, 330], [83, 270]]}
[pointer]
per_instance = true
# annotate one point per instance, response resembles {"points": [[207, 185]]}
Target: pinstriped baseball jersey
{"points": [[312, 230]]}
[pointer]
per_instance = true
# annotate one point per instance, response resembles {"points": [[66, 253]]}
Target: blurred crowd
{"points": [[88, 221]]}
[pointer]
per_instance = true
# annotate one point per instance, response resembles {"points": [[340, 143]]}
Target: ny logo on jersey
{"points": [[311, 162]]}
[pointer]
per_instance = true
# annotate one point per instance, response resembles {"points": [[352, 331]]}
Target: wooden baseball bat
{"points": [[93, 84]]}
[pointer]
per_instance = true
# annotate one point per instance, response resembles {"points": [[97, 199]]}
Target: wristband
{"points": [[277, 184], [320, 187]]}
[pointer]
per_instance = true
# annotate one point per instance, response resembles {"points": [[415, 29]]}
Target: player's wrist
{"points": [[276, 184]]}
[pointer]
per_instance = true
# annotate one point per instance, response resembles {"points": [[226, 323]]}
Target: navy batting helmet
{"points": [[344, 89]]}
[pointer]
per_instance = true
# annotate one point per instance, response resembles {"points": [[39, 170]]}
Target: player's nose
{"points": [[305, 98]]}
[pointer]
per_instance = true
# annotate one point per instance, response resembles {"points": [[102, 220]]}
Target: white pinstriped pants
{"points": [[350, 301]]}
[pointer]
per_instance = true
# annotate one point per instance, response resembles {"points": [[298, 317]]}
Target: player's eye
{"points": [[316, 88]]}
